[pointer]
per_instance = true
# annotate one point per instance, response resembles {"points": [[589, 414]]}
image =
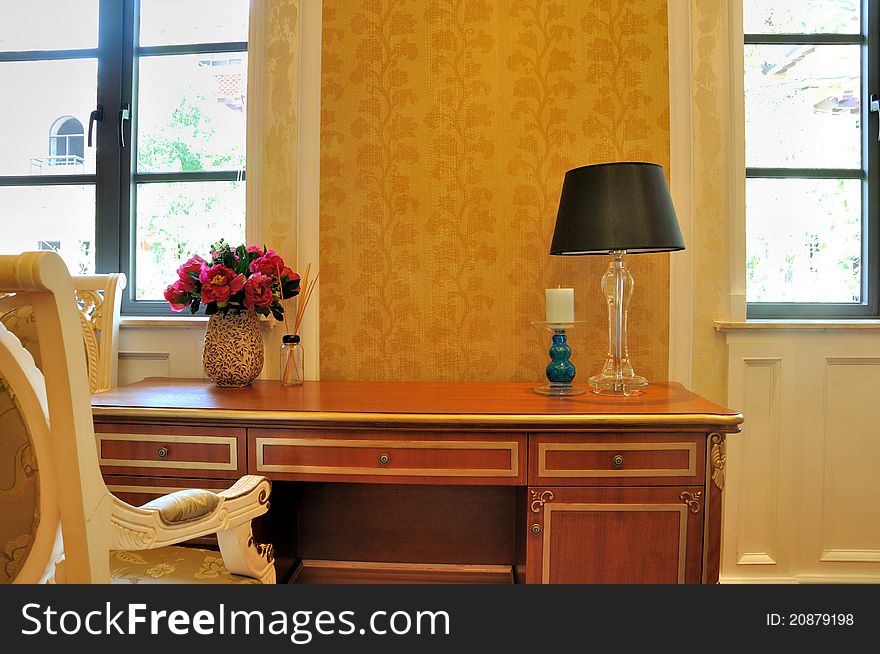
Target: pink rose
{"points": [[192, 265], [258, 291], [254, 248], [219, 282], [179, 294], [268, 264]]}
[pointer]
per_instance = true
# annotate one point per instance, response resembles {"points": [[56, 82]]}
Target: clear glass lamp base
{"points": [[609, 384]]}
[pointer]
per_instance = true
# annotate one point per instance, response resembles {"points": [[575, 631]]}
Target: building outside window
{"points": [[162, 87]]}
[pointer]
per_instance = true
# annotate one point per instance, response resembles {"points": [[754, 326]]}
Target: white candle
{"points": [[560, 305]]}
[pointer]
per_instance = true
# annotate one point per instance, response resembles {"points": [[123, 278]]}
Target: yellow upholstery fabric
{"points": [[172, 565], [22, 322], [19, 487], [184, 505]]}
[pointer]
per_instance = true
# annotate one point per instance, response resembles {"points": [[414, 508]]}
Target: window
{"points": [[145, 103], [811, 159], [67, 145]]}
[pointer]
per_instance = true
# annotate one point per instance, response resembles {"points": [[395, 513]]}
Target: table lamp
{"points": [[616, 209]]}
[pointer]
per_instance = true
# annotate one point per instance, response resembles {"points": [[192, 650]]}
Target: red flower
{"points": [[219, 282], [192, 265], [179, 293], [254, 248], [258, 291], [292, 276], [268, 264]]}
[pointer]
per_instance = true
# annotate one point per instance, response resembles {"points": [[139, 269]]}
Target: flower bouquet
{"points": [[247, 278], [235, 286]]}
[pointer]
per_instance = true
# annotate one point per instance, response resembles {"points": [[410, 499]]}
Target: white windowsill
{"points": [[174, 322], [163, 321], [796, 325]]}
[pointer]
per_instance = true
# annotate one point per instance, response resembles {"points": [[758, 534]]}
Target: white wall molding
{"points": [[254, 147], [309, 171], [736, 120]]}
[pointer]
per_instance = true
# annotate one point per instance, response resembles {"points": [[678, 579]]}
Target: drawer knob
{"points": [[384, 459], [162, 452], [535, 529], [617, 461]]}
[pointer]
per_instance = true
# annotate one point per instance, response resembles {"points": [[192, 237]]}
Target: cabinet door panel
{"points": [[615, 535]]}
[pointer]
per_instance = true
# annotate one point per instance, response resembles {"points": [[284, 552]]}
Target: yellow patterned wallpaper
{"points": [[447, 127]]}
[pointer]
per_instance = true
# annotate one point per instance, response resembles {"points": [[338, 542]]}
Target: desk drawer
{"points": [[604, 459], [171, 451], [402, 457]]}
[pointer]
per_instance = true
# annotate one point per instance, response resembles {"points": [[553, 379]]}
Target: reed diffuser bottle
{"points": [[291, 360]]}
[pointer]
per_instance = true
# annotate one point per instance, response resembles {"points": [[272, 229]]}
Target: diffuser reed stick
{"points": [[291, 373]]}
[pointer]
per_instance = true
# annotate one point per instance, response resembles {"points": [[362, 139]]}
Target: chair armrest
{"points": [[153, 525]]}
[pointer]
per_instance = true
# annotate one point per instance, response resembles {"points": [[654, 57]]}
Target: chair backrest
{"points": [[98, 298], [48, 433]]}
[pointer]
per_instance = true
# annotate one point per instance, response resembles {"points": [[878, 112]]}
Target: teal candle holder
{"points": [[560, 371]]}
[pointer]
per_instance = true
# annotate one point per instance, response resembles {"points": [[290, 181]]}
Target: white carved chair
{"points": [[49, 474], [98, 298]]}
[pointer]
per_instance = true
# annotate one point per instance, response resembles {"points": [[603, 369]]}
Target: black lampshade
{"points": [[616, 206]]}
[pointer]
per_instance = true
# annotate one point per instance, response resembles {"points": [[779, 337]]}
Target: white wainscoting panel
{"points": [[754, 533], [756, 528], [851, 454], [802, 503]]}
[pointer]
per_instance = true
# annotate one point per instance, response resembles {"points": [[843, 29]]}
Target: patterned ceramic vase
{"points": [[233, 354]]}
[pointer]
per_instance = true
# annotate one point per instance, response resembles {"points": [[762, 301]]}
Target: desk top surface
{"points": [[401, 403]]}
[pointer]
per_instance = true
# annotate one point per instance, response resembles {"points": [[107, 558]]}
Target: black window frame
{"points": [[115, 178], [869, 174]]}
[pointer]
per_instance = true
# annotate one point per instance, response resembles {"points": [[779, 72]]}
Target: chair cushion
{"points": [[184, 505], [172, 565], [22, 322], [19, 487]]}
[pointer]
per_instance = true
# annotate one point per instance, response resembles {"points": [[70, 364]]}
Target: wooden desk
{"points": [[381, 481]]}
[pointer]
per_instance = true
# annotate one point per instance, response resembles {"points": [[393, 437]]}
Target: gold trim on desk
{"points": [[150, 490], [552, 507], [512, 447], [230, 441], [690, 448], [521, 421]]}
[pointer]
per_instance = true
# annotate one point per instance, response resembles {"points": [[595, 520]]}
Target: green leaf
{"points": [[210, 308], [195, 305], [289, 287]]}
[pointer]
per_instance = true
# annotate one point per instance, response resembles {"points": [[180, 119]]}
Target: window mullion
{"points": [[107, 219], [128, 85]]}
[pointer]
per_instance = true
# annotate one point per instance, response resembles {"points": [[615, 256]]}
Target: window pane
{"points": [[191, 112], [60, 218], [43, 130], [801, 16], [48, 24], [172, 22], [802, 106], [177, 220], [803, 240]]}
